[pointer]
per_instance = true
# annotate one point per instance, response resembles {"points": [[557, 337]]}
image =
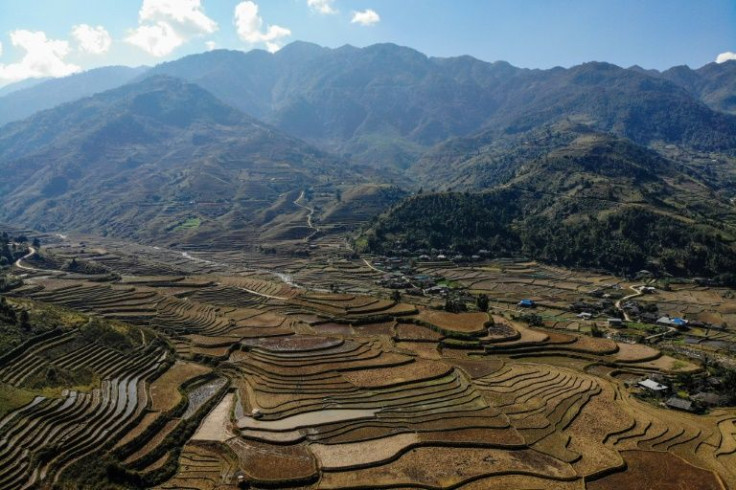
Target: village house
{"points": [[680, 404], [678, 323], [653, 387]]}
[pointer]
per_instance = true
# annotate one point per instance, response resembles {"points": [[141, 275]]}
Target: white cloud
{"points": [[723, 57], [158, 40], [185, 15], [164, 25], [210, 45], [366, 17], [322, 6], [93, 40], [43, 58], [249, 25]]}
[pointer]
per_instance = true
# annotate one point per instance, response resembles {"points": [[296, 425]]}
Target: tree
{"points": [[36, 243], [482, 302], [6, 252], [395, 296], [455, 305], [25, 320]]}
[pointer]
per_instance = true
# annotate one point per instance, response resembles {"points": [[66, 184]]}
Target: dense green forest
{"points": [[622, 241]]}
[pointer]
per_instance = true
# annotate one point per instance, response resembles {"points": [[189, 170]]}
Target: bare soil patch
{"points": [[665, 471]]}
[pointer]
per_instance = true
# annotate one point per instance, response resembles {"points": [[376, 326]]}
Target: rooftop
{"points": [[652, 385]]}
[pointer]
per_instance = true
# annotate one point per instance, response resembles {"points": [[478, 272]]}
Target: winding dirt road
{"points": [[637, 292], [19, 264]]}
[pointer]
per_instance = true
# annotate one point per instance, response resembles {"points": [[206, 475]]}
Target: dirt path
{"points": [[263, 295], [370, 266], [310, 210], [19, 264], [637, 292]]}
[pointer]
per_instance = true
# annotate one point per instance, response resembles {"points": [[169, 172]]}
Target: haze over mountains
{"points": [[229, 127], [385, 104], [131, 161]]}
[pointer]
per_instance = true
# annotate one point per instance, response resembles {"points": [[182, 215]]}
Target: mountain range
{"points": [[385, 105], [220, 145], [145, 158]]}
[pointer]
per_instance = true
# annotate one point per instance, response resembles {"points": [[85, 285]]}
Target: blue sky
{"points": [[59, 37]]}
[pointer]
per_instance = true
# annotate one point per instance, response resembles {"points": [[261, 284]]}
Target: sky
{"points": [[52, 38]]}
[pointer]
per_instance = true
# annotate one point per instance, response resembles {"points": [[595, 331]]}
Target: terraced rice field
{"points": [[264, 383]]}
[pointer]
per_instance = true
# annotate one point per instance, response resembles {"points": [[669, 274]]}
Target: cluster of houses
{"points": [[400, 273], [434, 255], [705, 393], [640, 312]]}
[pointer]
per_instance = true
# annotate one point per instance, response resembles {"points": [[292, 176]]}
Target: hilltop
{"points": [[587, 199], [157, 159]]}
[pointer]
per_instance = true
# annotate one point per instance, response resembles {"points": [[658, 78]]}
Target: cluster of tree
{"points": [[8, 315], [461, 221], [9, 249], [507, 223], [628, 241], [8, 282]]}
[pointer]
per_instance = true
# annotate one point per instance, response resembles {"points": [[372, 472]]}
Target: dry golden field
{"points": [[270, 383]]}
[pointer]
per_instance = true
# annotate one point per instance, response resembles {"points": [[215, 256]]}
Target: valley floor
{"points": [[310, 372]]}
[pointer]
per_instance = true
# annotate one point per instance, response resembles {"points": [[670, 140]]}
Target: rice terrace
{"points": [[367, 244], [165, 369]]}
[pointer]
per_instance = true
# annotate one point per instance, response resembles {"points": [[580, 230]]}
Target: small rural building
{"points": [[615, 322], [664, 320], [680, 404], [708, 399], [679, 323], [585, 315], [526, 303], [653, 387]]}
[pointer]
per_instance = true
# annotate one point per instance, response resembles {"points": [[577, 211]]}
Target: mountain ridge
{"points": [[135, 161], [385, 105]]}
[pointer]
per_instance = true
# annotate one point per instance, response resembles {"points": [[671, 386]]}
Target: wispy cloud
{"points": [[727, 56], [322, 6], [366, 17], [250, 27], [164, 25], [43, 57], [93, 40]]}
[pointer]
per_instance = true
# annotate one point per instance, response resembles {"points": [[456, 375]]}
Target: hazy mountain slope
{"points": [[160, 158], [590, 200], [23, 84], [386, 104], [613, 99], [714, 83], [24, 102]]}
